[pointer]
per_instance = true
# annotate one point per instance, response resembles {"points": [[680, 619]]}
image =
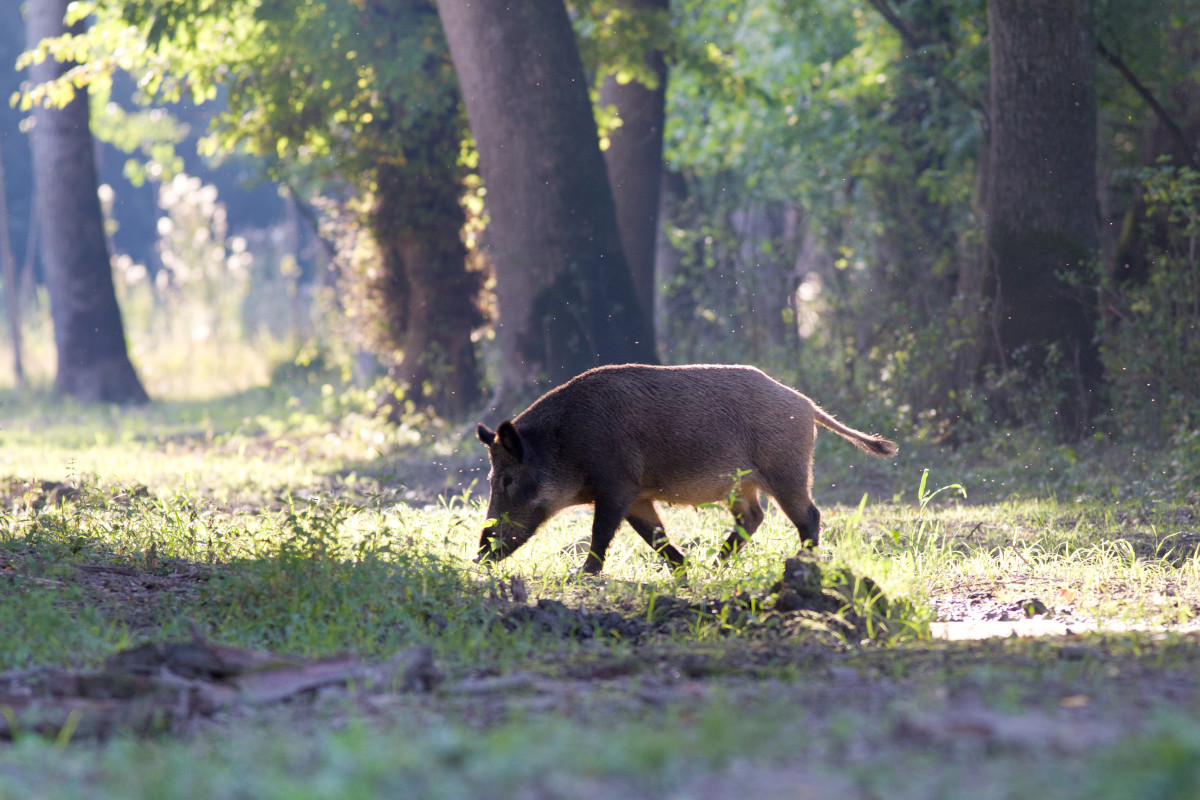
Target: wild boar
{"points": [[621, 437]]}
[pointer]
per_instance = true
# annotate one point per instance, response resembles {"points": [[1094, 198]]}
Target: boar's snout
{"points": [[514, 512], [491, 547], [498, 542]]}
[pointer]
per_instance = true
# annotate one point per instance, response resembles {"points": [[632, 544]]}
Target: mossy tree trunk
{"points": [[427, 297]]}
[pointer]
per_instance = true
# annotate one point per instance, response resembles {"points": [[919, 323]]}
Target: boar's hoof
{"points": [[587, 570], [722, 558]]}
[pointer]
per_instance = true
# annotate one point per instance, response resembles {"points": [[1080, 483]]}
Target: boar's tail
{"points": [[868, 443]]}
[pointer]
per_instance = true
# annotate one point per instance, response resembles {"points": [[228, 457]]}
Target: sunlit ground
{"points": [[186, 369], [288, 494]]}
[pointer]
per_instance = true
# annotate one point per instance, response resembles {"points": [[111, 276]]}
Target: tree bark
{"points": [[668, 261], [1041, 201], [11, 282], [93, 362], [428, 297], [565, 294], [634, 162]]}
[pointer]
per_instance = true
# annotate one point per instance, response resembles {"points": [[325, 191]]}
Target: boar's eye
{"points": [[506, 483]]}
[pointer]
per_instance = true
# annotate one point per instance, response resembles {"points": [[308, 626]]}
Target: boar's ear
{"points": [[485, 434], [511, 440]]}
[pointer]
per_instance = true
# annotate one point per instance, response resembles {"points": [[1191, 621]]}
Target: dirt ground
{"points": [[1014, 684], [1072, 690]]}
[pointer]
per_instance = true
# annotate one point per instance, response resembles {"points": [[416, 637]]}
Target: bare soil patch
{"points": [[791, 646], [813, 650]]}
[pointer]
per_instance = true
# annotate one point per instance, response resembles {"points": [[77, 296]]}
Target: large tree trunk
{"points": [[1041, 205], [566, 297], [428, 297], [634, 161], [93, 363]]}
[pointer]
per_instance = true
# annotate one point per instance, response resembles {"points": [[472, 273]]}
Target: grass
{"points": [[286, 517], [751, 744]]}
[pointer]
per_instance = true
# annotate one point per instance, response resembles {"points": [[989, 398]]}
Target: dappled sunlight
{"points": [[1084, 566], [342, 235], [205, 370]]}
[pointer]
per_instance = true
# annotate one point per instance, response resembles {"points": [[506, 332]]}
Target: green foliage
{"points": [[615, 36], [829, 165], [770, 92], [340, 87], [826, 160], [1151, 337], [355, 101], [150, 133]]}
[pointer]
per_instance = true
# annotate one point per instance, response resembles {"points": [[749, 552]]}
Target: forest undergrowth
{"points": [[286, 519]]}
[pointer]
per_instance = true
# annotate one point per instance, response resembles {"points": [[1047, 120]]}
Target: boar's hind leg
{"points": [[804, 515], [747, 516], [646, 522]]}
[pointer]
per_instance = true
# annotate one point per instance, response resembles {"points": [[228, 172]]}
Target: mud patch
{"points": [[982, 605]]}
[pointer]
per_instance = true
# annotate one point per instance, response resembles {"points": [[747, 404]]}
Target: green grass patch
{"points": [[287, 518]]}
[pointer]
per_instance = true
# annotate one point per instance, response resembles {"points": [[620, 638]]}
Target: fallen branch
{"points": [[162, 685]]}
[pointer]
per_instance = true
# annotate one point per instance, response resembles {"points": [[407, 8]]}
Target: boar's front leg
{"points": [[646, 522], [609, 513], [747, 516]]}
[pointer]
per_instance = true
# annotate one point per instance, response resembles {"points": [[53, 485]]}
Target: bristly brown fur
{"points": [[622, 437]]}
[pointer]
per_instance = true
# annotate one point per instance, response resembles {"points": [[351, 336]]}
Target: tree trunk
{"points": [[634, 162], [428, 297], [668, 262], [565, 294], [1041, 205], [767, 277], [93, 363], [11, 283]]}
